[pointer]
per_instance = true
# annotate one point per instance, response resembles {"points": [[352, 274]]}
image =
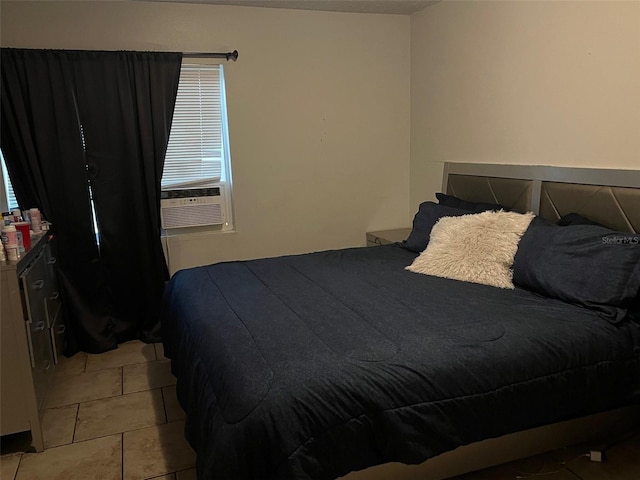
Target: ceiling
{"points": [[399, 7]]}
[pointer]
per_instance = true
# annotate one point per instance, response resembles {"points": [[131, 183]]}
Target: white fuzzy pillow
{"points": [[474, 248]]}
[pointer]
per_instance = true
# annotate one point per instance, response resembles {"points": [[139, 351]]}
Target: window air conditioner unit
{"points": [[192, 207]]}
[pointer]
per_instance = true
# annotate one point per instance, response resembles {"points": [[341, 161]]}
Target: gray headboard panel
{"points": [[615, 207], [610, 197], [512, 192]]}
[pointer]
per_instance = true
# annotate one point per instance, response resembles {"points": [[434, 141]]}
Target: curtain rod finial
{"points": [[233, 55]]}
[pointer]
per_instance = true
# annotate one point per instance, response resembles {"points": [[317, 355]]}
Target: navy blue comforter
{"points": [[315, 365]]}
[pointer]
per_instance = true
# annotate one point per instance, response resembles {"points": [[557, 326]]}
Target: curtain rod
{"points": [[228, 55]]}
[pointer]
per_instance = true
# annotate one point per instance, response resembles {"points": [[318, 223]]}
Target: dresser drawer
{"points": [[42, 361], [51, 261], [57, 333], [36, 286]]}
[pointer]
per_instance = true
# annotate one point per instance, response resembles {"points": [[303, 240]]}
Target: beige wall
{"points": [[318, 112], [319, 102], [541, 82]]}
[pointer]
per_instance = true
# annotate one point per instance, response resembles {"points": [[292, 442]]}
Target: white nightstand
{"points": [[386, 237]]}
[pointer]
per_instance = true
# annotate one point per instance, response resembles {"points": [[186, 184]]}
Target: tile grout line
{"points": [[82, 374], [578, 477], [105, 436], [75, 424], [162, 422], [15, 475], [65, 445], [66, 405], [164, 405], [102, 369], [122, 455]]}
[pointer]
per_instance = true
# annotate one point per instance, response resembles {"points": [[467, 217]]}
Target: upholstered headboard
{"points": [[609, 197]]}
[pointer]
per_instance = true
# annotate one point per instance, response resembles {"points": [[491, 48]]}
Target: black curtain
{"points": [[78, 125]]}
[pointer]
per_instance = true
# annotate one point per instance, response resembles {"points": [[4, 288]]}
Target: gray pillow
{"points": [[475, 207], [428, 214], [586, 265]]}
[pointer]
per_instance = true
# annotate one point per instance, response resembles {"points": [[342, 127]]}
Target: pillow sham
{"points": [[586, 265], [474, 248], [475, 207], [426, 217], [576, 219]]}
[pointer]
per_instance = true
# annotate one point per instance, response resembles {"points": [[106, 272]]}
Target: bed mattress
{"points": [[315, 365]]}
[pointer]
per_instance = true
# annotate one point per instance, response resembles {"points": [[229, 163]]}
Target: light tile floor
{"points": [[115, 416]]}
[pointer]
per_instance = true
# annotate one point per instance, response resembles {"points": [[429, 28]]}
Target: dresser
{"points": [[32, 336]]}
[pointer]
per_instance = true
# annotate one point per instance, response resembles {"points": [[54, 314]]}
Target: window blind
{"points": [[12, 201], [195, 149]]}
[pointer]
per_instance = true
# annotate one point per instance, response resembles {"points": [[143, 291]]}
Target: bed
{"points": [[318, 365]]}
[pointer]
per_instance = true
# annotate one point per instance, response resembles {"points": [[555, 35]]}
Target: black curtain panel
{"points": [[78, 126], [42, 144], [126, 102]]}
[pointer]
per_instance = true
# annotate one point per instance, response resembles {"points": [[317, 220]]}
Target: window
{"points": [[198, 149], [8, 200]]}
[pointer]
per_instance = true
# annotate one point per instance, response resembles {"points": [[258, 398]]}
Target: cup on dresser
{"points": [[25, 228]]}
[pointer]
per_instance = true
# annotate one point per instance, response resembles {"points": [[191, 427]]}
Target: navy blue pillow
{"points": [[474, 207], [576, 219], [585, 265], [428, 214]]}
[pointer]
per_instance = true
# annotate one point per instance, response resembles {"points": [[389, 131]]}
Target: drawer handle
{"points": [[37, 285], [47, 365], [52, 260], [60, 330], [39, 327], [54, 296]]}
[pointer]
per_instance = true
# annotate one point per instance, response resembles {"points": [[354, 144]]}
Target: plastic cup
{"points": [[24, 227]]}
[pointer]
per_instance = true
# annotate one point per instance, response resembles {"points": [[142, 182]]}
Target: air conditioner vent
{"points": [[195, 207]]}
